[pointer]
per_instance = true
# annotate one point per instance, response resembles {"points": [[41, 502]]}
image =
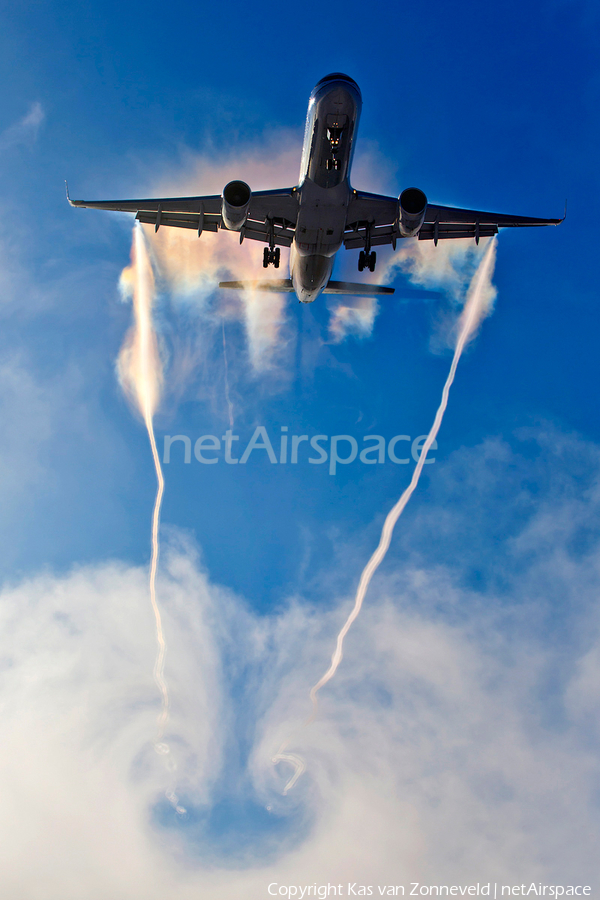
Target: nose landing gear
{"points": [[367, 260], [271, 257]]}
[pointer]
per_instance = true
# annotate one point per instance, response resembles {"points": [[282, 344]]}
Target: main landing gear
{"points": [[271, 257], [367, 260]]}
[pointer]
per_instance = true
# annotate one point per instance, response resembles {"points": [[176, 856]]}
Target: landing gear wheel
{"points": [[372, 261], [271, 256], [361, 260]]}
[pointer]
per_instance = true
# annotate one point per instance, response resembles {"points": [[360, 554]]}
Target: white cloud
{"points": [[354, 316], [25, 131], [454, 744]]}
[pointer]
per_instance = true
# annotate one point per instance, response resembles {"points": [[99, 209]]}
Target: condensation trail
{"points": [[159, 665], [470, 318], [229, 403], [140, 372], [475, 309]]}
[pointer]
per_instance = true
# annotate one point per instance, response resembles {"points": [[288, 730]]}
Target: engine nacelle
{"points": [[412, 204], [236, 200]]}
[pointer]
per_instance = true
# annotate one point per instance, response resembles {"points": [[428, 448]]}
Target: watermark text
{"points": [[317, 449]]}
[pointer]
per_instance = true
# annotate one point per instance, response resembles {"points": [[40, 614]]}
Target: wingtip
{"points": [[73, 202]]}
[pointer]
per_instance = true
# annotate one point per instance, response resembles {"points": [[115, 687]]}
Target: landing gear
{"points": [[367, 260], [271, 257]]}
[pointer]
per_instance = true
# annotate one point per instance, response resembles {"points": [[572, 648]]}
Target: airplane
{"points": [[322, 212]]}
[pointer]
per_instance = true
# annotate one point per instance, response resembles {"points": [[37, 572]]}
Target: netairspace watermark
{"points": [[339, 449], [416, 889]]}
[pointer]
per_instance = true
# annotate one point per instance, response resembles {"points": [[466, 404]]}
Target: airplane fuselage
{"points": [[324, 183]]}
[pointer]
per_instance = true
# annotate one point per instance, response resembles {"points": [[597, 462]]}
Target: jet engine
{"points": [[412, 204], [236, 200]]}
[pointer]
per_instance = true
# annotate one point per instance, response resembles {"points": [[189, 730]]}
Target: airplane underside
{"points": [[309, 274], [322, 213]]}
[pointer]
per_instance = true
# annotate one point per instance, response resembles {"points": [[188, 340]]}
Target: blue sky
{"points": [[493, 571]]}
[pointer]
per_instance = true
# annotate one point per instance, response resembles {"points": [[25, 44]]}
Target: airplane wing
{"points": [[378, 215], [271, 216]]}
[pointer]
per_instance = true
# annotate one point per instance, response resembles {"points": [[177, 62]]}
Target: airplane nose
{"points": [[337, 76], [339, 80]]}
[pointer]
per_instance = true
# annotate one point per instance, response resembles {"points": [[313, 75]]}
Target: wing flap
{"points": [[356, 238], [283, 233], [279, 230], [180, 220], [435, 231]]}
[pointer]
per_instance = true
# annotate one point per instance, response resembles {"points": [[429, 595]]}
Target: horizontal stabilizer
{"points": [[279, 285], [284, 285], [362, 290]]}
